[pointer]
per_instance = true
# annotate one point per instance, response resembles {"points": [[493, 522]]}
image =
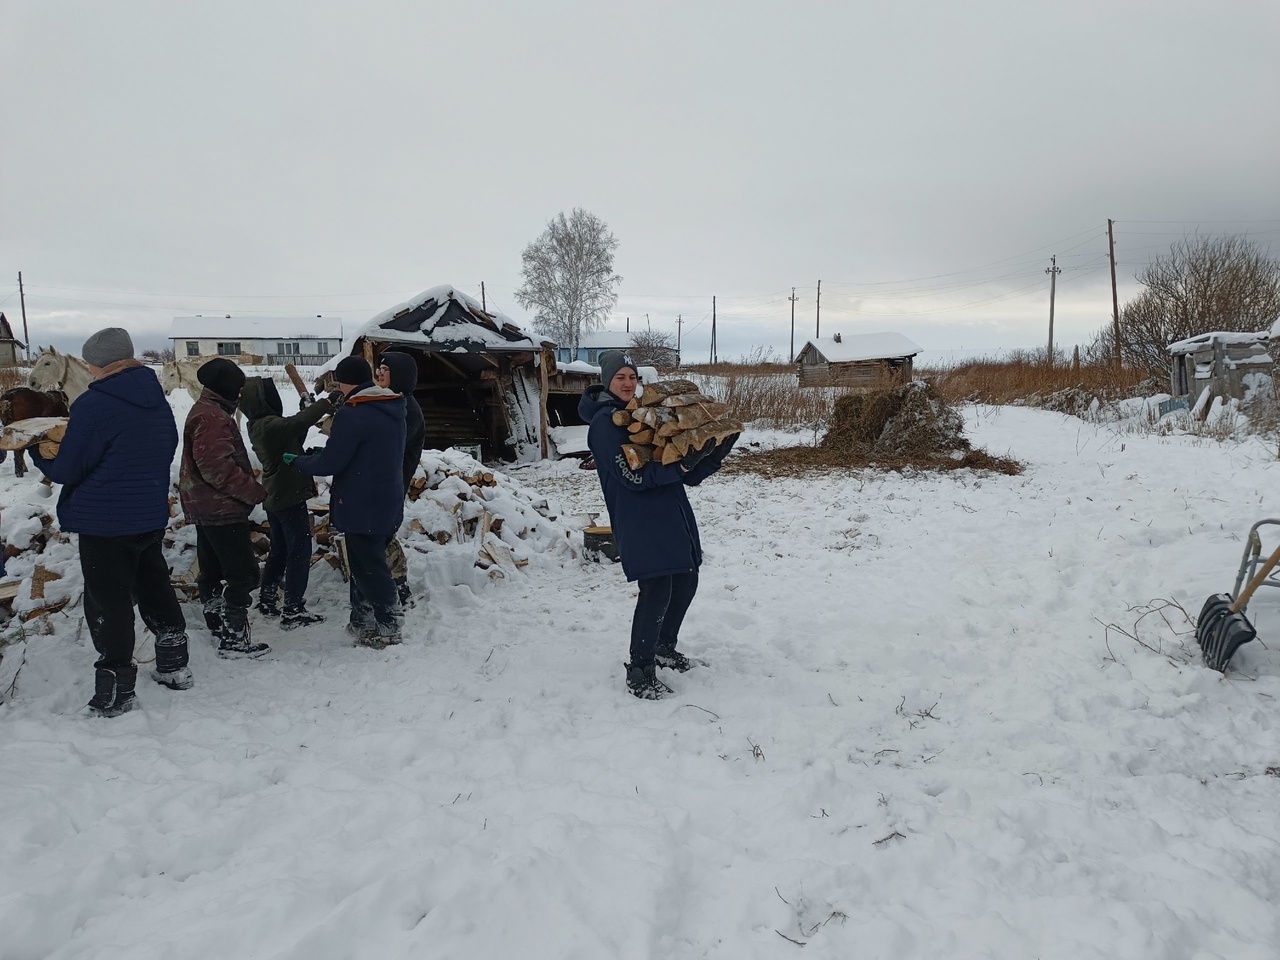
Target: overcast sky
{"points": [[923, 160]]}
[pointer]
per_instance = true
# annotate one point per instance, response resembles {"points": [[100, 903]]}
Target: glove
{"points": [[336, 397], [695, 457], [312, 451], [288, 458], [306, 401]]}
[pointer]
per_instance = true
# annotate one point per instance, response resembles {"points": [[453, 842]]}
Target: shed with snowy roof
{"points": [[482, 378], [866, 360], [1218, 364], [9, 344]]}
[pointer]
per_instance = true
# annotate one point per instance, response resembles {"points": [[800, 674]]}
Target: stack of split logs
{"points": [[671, 418]]}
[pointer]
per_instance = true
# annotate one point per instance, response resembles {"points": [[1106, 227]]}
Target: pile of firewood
{"points": [[671, 418]]}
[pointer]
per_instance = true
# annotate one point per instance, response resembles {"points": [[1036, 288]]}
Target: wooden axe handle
{"points": [[298, 385], [1256, 582]]}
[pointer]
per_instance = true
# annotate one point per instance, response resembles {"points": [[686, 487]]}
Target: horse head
{"points": [[170, 376], [49, 371]]}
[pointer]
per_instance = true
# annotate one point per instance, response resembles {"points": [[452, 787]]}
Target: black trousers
{"points": [[225, 554], [119, 571], [290, 556], [373, 592], [660, 611]]}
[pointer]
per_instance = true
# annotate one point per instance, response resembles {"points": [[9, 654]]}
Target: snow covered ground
{"points": [[917, 738]]}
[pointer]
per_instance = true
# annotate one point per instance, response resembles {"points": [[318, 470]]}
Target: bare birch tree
{"points": [[568, 275]]}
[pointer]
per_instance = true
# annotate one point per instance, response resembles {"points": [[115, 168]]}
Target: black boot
{"points": [[269, 600], [235, 640], [672, 659], [171, 668], [644, 683], [113, 691], [214, 608], [296, 615], [404, 593]]}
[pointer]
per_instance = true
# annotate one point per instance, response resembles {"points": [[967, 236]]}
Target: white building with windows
{"points": [[302, 341]]}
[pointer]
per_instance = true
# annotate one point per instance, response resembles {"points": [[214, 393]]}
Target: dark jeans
{"points": [[119, 571], [660, 611], [225, 553], [290, 557], [373, 592]]}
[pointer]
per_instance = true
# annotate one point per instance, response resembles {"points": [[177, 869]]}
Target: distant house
{"points": [[594, 344], [9, 344], [861, 360], [302, 341], [1214, 365]]}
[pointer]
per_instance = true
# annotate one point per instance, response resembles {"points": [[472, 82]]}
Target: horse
{"points": [[23, 403], [182, 373], [60, 371]]}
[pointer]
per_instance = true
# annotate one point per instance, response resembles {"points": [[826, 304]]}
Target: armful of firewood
{"points": [[44, 433]]}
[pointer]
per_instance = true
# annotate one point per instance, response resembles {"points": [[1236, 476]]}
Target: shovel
{"points": [[1222, 629]]}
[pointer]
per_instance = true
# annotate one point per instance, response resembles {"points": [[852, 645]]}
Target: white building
{"points": [[302, 341]]}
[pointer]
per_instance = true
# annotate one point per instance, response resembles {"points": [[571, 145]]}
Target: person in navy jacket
{"points": [[653, 524], [114, 466], [366, 499]]}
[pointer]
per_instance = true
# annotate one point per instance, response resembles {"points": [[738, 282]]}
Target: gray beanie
{"points": [[107, 346], [611, 361]]}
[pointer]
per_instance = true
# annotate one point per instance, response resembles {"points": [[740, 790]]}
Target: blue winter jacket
{"points": [[364, 456], [653, 524], [115, 457]]}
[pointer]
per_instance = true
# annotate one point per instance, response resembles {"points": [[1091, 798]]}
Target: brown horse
{"points": [[23, 403]]}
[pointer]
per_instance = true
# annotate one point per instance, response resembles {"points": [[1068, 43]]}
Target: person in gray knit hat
{"points": [[107, 346]]}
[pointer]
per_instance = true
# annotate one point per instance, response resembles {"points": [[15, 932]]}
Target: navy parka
{"points": [[653, 524], [115, 459]]}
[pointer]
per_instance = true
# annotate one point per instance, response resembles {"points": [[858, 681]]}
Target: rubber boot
{"points": [[171, 668]]}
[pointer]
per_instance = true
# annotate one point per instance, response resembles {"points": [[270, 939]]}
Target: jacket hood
{"points": [[260, 398], [596, 399], [404, 371], [135, 384], [378, 399]]}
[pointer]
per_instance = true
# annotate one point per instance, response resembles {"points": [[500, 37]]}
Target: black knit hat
{"points": [[222, 377], [352, 371]]}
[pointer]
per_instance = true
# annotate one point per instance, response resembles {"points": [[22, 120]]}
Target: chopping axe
{"points": [[1222, 627]]}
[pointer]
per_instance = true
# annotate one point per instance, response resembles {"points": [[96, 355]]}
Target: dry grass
{"points": [[1025, 376], [11, 377]]}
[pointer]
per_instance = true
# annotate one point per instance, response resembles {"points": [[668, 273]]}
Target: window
{"points": [[193, 348], [230, 349], [593, 356], [288, 349], [322, 348]]}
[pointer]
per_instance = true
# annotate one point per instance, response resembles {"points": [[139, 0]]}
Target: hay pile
{"points": [[899, 428]]}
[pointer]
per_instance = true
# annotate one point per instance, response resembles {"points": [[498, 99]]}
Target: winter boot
{"points": [[672, 659], [214, 608], [404, 593], [171, 668], [644, 684], [113, 691], [269, 600], [365, 636], [235, 641], [296, 615]]}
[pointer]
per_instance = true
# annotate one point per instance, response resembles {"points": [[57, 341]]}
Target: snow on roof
{"points": [[863, 346], [1192, 344], [605, 340], [256, 328], [445, 319]]}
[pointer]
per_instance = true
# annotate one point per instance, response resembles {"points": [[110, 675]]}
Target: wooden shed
{"points": [[1213, 365], [482, 379], [862, 360], [9, 344]]}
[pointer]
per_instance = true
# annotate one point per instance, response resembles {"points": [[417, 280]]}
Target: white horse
{"points": [[59, 371], [182, 373]]}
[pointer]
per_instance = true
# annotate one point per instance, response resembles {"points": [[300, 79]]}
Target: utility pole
{"points": [[679, 330], [1115, 301], [817, 328], [713, 329], [483, 306], [22, 298], [792, 298], [628, 324], [1052, 270]]}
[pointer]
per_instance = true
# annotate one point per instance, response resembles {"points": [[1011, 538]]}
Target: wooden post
{"points": [[22, 298], [542, 403], [1052, 270], [368, 354], [1115, 302]]}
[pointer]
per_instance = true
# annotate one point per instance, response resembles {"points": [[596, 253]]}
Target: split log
{"points": [[655, 393], [637, 455], [42, 432]]}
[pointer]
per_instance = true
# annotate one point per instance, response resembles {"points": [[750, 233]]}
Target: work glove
{"points": [[288, 458], [695, 457], [336, 397], [306, 401]]}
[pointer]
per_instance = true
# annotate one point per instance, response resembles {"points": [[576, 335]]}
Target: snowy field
{"points": [[917, 738]]}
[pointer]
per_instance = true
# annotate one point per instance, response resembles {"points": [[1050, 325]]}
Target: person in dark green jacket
{"points": [[273, 435]]}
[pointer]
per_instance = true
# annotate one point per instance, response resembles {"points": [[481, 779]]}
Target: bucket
{"points": [[597, 542]]}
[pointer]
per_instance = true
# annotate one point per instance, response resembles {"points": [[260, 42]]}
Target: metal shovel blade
{"points": [[1211, 614], [1232, 632]]}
